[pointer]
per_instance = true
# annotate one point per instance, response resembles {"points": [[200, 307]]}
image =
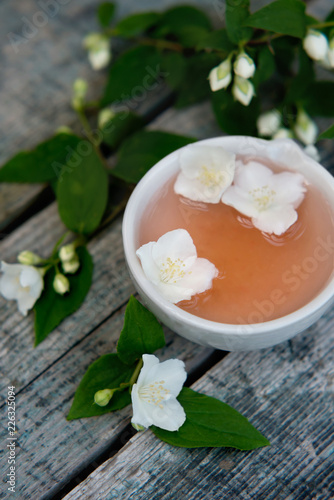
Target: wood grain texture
{"points": [[286, 392], [59, 449]]}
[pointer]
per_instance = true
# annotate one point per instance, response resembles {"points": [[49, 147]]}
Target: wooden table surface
{"points": [[285, 391]]}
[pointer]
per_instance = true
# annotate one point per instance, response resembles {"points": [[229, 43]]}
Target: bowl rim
{"points": [[247, 329]]}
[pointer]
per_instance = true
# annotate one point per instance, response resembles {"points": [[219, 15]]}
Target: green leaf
{"points": [[236, 13], [286, 17], [136, 24], [105, 13], [216, 40], [41, 164], [141, 334], [51, 308], [107, 372], [211, 423], [318, 99], [82, 192], [265, 66], [194, 86], [327, 134], [174, 66], [142, 150], [135, 71], [175, 20], [301, 82], [120, 126], [233, 117]]}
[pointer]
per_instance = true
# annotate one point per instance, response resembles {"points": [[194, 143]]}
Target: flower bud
{"points": [[330, 53], [305, 128], [67, 252], [268, 123], [98, 47], [61, 284], [243, 90], [312, 152], [283, 133], [28, 258], [220, 77], [244, 65], [64, 130], [315, 45], [103, 397], [71, 266], [105, 115], [80, 88]]}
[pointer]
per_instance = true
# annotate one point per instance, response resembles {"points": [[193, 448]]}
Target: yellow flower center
{"points": [[262, 197], [172, 270], [154, 393], [209, 176]]}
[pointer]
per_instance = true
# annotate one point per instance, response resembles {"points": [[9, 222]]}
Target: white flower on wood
{"points": [[206, 172], [243, 90], [220, 76], [21, 283], [244, 65], [269, 199], [172, 265], [154, 394]]}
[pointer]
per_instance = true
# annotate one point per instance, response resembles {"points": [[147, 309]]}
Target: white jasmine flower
{"points": [[312, 152], [305, 128], [98, 47], [283, 133], [21, 283], [206, 172], [243, 90], [61, 284], [315, 45], [220, 77], [244, 65], [154, 395], [269, 199], [171, 264], [268, 123]]}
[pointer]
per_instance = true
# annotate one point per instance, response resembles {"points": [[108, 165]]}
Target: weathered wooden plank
{"points": [[286, 392], [19, 361], [59, 449]]}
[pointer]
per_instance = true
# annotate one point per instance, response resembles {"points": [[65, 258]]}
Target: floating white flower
{"points": [[171, 264], [206, 172], [244, 65], [98, 47], [220, 76], [21, 283], [243, 90], [315, 45], [305, 128], [154, 395], [268, 123], [269, 199]]}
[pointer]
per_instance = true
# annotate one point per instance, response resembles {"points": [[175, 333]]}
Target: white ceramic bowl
{"points": [[220, 335]]}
